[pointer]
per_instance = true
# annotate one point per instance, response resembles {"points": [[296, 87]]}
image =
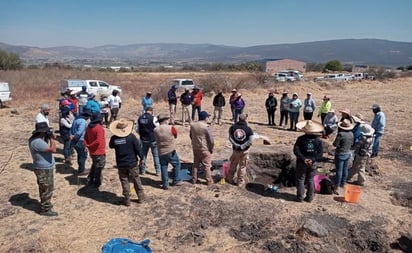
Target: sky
{"points": [[90, 23]]}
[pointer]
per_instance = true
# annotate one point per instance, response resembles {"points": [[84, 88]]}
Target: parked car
{"points": [[334, 77], [93, 86], [183, 83], [5, 94], [284, 77]]}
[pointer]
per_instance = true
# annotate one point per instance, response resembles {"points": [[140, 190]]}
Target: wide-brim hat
{"points": [[345, 125], [162, 116], [367, 129], [358, 118], [345, 110], [41, 127], [310, 127], [121, 127]]}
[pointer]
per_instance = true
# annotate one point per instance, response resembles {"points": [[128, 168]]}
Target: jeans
{"points": [[155, 154], [81, 155], [342, 168], [195, 108], [237, 113], [271, 116], [67, 149], [174, 160], [284, 114], [376, 143], [304, 174], [294, 116]]}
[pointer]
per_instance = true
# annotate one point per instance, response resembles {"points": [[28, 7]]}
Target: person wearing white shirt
{"points": [[43, 115], [115, 102]]}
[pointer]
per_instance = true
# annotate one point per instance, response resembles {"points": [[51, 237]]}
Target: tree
{"points": [[10, 61], [333, 65]]}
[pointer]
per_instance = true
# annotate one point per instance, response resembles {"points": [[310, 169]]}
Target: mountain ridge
{"points": [[352, 51]]}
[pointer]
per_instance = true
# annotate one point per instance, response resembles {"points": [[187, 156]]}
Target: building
{"points": [[274, 66]]}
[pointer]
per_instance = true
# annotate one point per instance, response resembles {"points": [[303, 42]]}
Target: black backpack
{"points": [[327, 187]]}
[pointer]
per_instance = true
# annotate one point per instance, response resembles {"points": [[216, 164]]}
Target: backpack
{"points": [[123, 245], [327, 187]]}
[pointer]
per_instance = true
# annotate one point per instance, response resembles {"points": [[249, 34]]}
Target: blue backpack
{"points": [[123, 245]]}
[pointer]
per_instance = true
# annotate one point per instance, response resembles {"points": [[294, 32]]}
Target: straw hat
{"points": [[122, 127], [366, 129], [309, 126], [345, 110], [358, 118], [345, 125]]}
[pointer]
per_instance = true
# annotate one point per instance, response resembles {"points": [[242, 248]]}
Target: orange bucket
{"points": [[352, 193]]}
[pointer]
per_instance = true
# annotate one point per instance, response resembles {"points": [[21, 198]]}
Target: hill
{"points": [[351, 51]]}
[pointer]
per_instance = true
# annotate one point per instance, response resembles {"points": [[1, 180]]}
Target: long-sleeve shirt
{"points": [[147, 102], [284, 103], [309, 105], [78, 129], [219, 100], [308, 146], [202, 137], [379, 122], [295, 105], [94, 140], [343, 142], [324, 107], [271, 102], [127, 149], [171, 96]]}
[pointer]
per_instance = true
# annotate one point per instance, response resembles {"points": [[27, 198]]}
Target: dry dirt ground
{"points": [[217, 218]]}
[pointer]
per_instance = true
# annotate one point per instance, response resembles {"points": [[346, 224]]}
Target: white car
{"points": [[5, 95], [284, 77], [183, 83]]}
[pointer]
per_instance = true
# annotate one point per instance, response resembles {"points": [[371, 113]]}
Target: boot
{"points": [[127, 201]]}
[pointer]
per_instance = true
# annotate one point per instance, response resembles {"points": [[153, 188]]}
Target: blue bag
{"points": [[123, 245]]}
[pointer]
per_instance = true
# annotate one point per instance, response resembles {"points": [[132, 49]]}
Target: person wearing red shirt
{"points": [[196, 102], [95, 142]]}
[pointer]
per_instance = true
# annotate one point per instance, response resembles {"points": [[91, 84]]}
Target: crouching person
{"points": [[308, 150], [128, 150]]}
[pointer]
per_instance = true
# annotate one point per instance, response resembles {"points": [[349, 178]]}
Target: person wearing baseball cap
{"points": [[378, 124], [202, 145]]}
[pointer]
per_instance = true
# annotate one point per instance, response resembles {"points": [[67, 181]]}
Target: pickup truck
{"points": [[97, 87], [5, 95]]}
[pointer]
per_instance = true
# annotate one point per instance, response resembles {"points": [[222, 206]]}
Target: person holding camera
{"points": [[42, 146]]}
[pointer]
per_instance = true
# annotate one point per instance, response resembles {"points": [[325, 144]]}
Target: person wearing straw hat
{"points": [[308, 150], [165, 135], [358, 120], [363, 150], [129, 156], [346, 114], [42, 146], [343, 143], [239, 106]]}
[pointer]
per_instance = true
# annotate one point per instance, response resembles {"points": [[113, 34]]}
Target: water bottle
{"points": [[273, 188]]}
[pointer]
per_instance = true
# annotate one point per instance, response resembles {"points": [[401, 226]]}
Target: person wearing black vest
{"points": [[145, 127], [240, 135]]}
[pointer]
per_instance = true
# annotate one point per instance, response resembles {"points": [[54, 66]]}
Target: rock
{"points": [[14, 111], [314, 228]]}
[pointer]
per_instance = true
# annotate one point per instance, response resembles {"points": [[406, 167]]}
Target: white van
{"points": [[5, 95]]}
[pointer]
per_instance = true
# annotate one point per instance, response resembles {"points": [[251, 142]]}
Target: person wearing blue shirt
{"points": [[77, 141], [378, 124], [92, 106], [147, 101]]}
